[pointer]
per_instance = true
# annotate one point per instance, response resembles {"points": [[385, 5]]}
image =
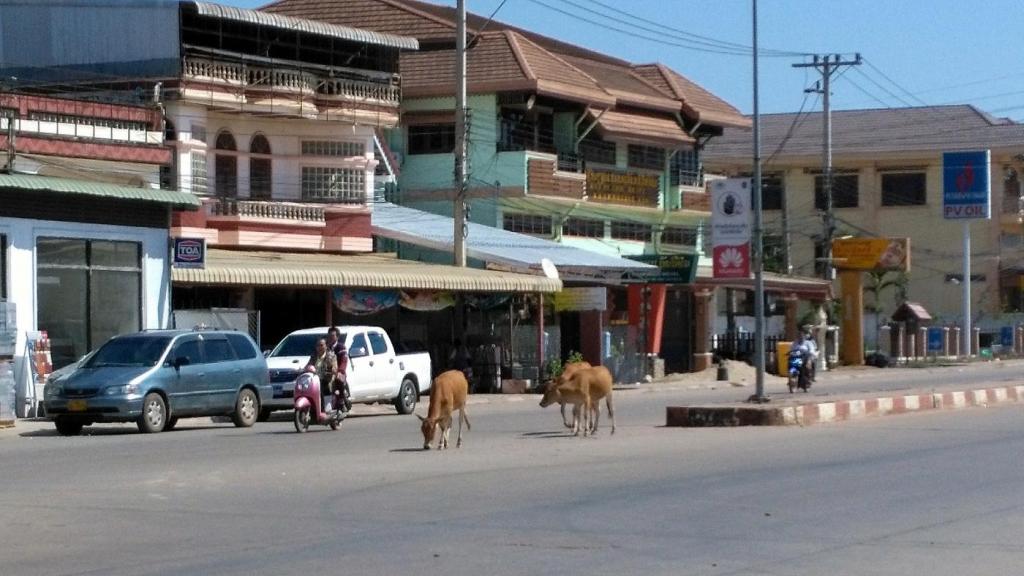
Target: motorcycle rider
{"points": [[808, 352], [324, 364], [336, 345]]}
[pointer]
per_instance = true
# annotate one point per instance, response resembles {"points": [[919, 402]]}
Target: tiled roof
{"points": [[172, 198], [700, 103], [641, 127], [871, 132], [654, 87]]}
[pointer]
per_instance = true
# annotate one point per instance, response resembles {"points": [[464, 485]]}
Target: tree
{"points": [[878, 282]]}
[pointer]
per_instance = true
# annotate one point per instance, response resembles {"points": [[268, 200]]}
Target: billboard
{"points": [[730, 227], [871, 254], [189, 253], [966, 186]]}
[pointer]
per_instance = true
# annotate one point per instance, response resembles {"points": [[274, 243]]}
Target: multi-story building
{"points": [[888, 182]]}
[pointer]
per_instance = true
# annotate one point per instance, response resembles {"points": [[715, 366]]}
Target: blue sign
{"points": [[189, 253], [966, 187], [935, 339], [1006, 336]]}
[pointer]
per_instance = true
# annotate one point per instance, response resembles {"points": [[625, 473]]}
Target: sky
{"points": [[915, 52]]}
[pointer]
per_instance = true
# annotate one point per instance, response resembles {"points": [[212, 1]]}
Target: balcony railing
{"points": [[267, 210], [262, 78]]}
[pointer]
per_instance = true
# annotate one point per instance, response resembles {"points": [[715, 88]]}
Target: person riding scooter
{"points": [[325, 364], [336, 345], [809, 353]]}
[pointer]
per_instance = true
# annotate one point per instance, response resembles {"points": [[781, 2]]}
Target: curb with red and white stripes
{"points": [[808, 413]]}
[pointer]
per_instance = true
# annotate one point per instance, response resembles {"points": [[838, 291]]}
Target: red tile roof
{"points": [[640, 128], [697, 101]]}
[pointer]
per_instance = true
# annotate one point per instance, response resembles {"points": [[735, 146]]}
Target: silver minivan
{"points": [[155, 377]]}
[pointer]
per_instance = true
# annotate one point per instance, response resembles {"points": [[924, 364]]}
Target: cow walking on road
{"points": [[584, 390], [447, 394]]}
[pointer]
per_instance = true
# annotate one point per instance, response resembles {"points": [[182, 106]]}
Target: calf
{"points": [[564, 377], [447, 394], [584, 390]]}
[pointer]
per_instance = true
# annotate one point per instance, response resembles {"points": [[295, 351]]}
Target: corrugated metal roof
{"points": [[494, 245], [302, 25], [239, 268], [175, 199]]}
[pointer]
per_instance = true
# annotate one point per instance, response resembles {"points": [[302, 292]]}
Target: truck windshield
{"points": [[298, 345], [130, 351]]}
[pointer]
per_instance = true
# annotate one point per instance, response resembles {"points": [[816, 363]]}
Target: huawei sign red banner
{"points": [[730, 227], [732, 261]]}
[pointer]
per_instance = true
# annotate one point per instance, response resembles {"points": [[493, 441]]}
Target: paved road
{"points": [[924, 494]]}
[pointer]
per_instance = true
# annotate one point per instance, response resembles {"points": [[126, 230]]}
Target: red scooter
{"points": [[307, 404]]}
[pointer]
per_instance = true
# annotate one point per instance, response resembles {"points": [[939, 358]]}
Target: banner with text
{"points": [[966, 186], [730, 227]]}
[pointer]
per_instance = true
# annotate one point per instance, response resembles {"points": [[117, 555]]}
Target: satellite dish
{"points": [[549, 268]]}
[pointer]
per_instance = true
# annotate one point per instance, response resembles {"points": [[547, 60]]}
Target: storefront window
{"points": [[88, 291]]}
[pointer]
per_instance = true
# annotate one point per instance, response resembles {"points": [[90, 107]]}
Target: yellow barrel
{"points": [[782, 357]]}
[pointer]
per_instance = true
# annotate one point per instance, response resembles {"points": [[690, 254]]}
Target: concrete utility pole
{"points": [[827, 65], [758, 260], [460, 135]]}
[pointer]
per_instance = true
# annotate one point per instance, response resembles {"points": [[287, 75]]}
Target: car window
{"points": [[243, 346], [378, 343], [189, 350], [218, 350], [297, 345], [358, 341], [129, 351]]}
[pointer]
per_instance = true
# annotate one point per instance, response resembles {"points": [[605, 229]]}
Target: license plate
{"points": [[76, 405]]}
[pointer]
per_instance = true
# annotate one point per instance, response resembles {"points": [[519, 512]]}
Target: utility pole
{"points": [[460, 136], [827, 66], [758, 260]]}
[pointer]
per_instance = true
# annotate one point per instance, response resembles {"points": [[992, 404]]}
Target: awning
{"points": [[497, 247], [802, 286], [241, 268], [303, 25], [173, 198], [600, 211], [641, 128]]}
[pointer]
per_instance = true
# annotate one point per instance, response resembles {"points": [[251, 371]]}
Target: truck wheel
{"points": [[247, 409], [67, 426], [408, 394]]}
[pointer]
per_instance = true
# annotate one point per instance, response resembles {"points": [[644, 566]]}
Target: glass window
{"points": [[337, 148], [377, 342], [844, 191], [297, 345], [3, 267], [597, 151], [88, 291], [243, 346], [218, 350], [583, 228], [130, 351], [679, 236], [359, 341], [87, 120], [226, 167], [527, 224], [631, 231], [646, 157], [685, 168], [334, 184], [432, 139], [903, 189], [772, 191], [188, 349], [199, 183], [260, 169]]}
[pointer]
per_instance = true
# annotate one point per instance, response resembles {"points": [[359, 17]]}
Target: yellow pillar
{"points": [[851, 282]]}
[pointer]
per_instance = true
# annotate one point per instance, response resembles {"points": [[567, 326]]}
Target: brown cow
{"points": [[584, 390], [564, 377], [447, 394]]}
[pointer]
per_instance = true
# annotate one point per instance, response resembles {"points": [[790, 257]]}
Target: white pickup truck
{"points": [[375, 372]]}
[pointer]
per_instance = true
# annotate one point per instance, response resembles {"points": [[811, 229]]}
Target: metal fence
{"points": [[740, 346]]}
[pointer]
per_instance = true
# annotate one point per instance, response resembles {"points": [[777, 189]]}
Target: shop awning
{"points": [[496, 247], [173, 198], [641, 128], [802, 286], [284, 269]]}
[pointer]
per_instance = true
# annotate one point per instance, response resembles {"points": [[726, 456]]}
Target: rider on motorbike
{"points": [[808, 352], [337, 345], [324, 364]]}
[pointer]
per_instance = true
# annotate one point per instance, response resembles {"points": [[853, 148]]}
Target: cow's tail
{"points": [[611, 411]]}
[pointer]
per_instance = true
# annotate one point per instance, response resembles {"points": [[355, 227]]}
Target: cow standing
{"points": [[584, 389], [447, 394], [564, 377]]}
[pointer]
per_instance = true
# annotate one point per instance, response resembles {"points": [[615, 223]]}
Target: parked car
{"points": [[155, 377], [375, 372]]}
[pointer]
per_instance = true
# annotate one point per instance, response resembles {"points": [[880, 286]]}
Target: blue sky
{"points": [[916, 52]]}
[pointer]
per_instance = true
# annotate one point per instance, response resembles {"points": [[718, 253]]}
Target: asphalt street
{"points": [[919, 494]]}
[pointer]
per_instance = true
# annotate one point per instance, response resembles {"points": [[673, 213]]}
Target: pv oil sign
{"points": [[189, 252], [966, 187]]}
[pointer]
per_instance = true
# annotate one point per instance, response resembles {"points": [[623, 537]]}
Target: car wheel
{"points": [[264, 415], [302, 420], [171, 423], [154, 414], [408, 394], [68, 426], [247, 409]]}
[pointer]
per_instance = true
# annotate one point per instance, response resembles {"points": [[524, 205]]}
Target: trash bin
{"points": [[782, 357]]}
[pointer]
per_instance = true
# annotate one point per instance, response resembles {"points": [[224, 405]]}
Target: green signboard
{"points": [[672, 269]]}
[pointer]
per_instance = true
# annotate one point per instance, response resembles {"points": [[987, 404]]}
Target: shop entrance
{"points": [[677, 333]]}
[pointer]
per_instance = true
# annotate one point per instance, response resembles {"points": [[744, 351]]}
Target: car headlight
{"points": [[53, 389], [123, 390]]}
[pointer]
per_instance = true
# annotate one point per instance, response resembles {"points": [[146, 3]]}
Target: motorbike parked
{"points": [[307, 404], [797, 371]]}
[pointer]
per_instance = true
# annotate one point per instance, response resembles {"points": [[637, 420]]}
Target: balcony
{"points": [[253, 224], [545, 178]]}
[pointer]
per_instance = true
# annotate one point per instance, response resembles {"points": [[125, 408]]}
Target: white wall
{"points": [[21, 274]]}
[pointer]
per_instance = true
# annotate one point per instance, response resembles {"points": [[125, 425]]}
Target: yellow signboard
{"points": [[631, 188], [871, 254]]}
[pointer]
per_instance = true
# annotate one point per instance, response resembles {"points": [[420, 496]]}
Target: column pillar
{"points": [[791, 303], [703, 316], [954, 335], [945, 341], [975, 341], [851, 284]]}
